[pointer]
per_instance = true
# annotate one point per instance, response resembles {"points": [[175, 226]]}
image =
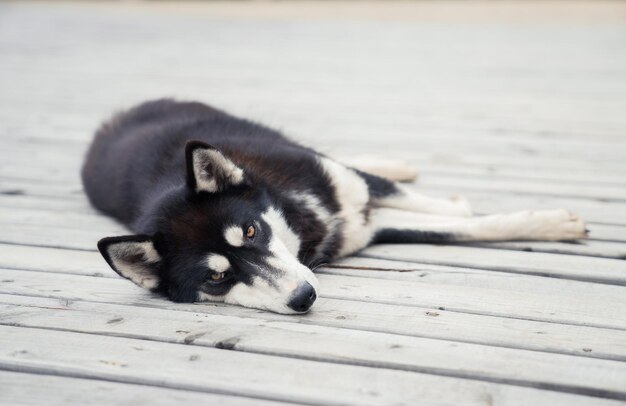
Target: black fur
{"points": [[136, 171], [393, 236]]}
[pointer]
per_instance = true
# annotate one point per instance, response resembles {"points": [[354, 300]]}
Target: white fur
{"points": [[551, 225], [524, 225], [259, 295], [410, 200], [234, 236], [352, 194], [140, 273], [204, 157], [218, 263], [275, 294], [313, 204], [284, 247], [281, 231], [205, 297]]}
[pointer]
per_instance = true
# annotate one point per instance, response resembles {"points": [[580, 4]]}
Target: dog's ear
{"points": [[208, 170], [134, 257]]}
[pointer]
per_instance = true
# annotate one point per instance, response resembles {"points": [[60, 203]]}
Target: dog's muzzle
{"points": [[303, 298]]}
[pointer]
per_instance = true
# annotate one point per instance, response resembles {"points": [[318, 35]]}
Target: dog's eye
{"points": [[218, 276], [250, 232]]}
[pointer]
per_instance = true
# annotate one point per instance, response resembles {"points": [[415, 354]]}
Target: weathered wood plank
{"points": [[452, 167], [194, 368], [36, 389], [53, 260], [56, 171], [555, 306], [429, 322], [70, 261], [65, 232], [602, 270], [601, 191], [75, 204], [592, 248], [71, 212], [320, 343], [521, 186], [454, 275], [512, 172], [590, 210], [37, 236]]}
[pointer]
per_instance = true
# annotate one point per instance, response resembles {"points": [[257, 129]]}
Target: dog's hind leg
{"points": [[384, 193], [400, 226]]}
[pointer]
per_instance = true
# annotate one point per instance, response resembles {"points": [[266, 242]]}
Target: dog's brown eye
{"points": [[250, 232], [217, 276]]}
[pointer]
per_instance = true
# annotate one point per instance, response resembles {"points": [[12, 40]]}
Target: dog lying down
{"points": [[228, 210]]}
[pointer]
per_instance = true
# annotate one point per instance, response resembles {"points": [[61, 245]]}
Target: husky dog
{"points": [[228, 210]]}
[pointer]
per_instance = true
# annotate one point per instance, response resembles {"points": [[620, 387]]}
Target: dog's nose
{"points": [[303, 298]]}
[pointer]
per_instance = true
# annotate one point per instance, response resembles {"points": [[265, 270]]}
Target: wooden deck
{"points": [[514, 107]]}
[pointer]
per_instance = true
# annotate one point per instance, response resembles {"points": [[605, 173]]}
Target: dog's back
{"points": [[139, 153]]}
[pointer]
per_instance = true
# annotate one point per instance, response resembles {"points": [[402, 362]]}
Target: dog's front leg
{"points": [[405, 198], [400, 226], [385, 193]]}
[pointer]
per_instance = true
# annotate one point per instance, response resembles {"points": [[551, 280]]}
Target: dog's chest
{"points": [[351, 221]]}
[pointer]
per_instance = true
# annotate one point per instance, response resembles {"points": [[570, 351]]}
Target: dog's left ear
{"points": [[208, 170], [134, 257]]}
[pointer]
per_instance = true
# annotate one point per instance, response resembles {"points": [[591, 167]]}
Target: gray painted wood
{"points": [[604, 270], [461, 101], [555, 306], [83, 232], [328, 344], [24, 389], [194, 368], [431, 322]]}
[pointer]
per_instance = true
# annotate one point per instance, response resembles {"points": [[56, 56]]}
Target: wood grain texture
{"points": [[604, 270], [266, 377], [514, 116], [327, 344], [432, 322], [19, 388]]}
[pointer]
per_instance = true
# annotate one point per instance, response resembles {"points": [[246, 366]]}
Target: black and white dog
{"points": [[229, 210]]}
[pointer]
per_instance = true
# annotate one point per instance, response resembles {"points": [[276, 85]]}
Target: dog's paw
{"points": [[555, 225], [460, 206]]}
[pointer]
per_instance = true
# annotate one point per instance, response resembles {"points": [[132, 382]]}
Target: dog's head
{"points": [[217, 237]]}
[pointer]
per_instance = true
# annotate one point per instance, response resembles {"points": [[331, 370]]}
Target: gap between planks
{"points": [[368, 316], [192, 368], [331, 345]]}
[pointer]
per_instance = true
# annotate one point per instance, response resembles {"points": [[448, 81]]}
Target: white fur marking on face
{"points": [[234, 236], [218, 263], [281, 229], [260, 295], [205, 157], [205, 297], [140, 272], [284, 247], [287, 274]]}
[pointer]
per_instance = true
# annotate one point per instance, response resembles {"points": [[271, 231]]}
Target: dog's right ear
{"points": [[133, 257], [208, 169]]}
